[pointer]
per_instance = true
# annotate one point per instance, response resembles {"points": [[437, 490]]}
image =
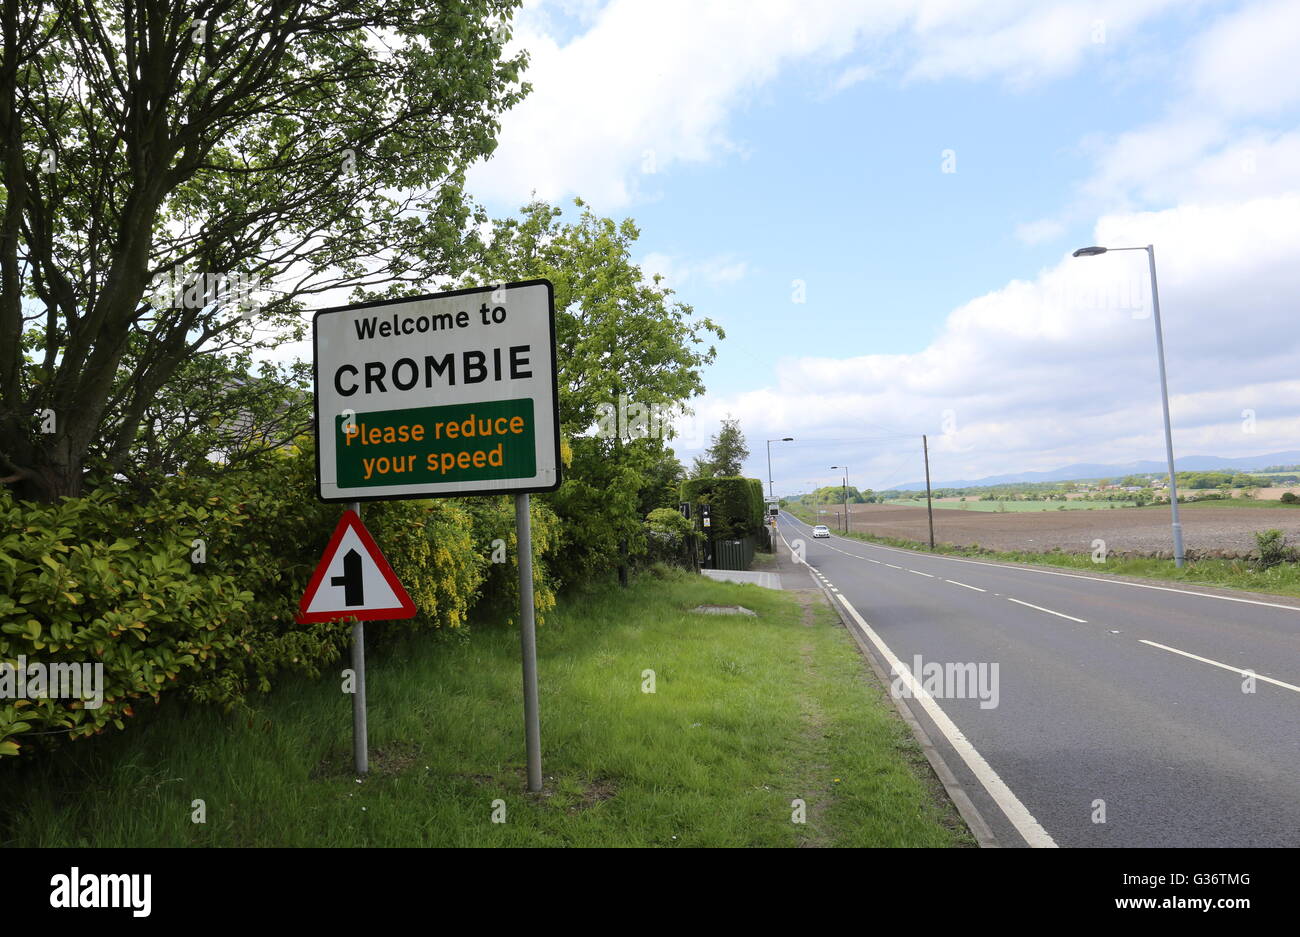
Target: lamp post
{"points": [[1164, 387], [769, 462], [844, 490]]}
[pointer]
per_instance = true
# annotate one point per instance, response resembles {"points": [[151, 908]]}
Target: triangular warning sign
{"points": [[353, 580]]}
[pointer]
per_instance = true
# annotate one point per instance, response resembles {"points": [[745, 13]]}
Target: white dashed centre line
{"points": [[1082, 621], [919, 573], [964, 586], [1215, 663]]}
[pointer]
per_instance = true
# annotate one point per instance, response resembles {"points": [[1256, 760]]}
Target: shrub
{"points": [[668, 537], [109, 579], [95, 580], [1289, 497], [1271, 549]]}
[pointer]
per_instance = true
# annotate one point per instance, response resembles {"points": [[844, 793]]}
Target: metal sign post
{"points": [[528, 643], [354, 581], [360, 739]]}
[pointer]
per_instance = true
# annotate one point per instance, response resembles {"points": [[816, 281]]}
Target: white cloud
{"points": [[1247, 63], [1061, 369], [853, 75], [651, 84], [1041, 372], [1227, 136], [1023, 42], [676, 273]]}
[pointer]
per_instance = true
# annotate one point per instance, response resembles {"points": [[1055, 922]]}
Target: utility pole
{"points": [[844, 493], [929, 507]]}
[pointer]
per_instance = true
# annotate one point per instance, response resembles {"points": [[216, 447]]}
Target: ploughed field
{"points": [[1208, 530]]}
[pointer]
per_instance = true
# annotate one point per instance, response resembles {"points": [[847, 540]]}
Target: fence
{"points": [[733, 554]]}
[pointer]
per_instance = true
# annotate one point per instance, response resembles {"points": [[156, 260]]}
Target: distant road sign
{"points": [[443, 395], [353, 580]]}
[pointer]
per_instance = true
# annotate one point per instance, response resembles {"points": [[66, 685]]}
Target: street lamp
{"points": [[845, 491], [1164, 387], [769, 462]]}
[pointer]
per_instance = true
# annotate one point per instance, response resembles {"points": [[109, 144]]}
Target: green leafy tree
{"points": [[178, 179], [702, 467], [621, 339], [663, 478], [727, 451]]}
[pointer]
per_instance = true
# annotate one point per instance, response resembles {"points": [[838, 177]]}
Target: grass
{"points": [[1283, 579], [748, 714], [1232, 503]]}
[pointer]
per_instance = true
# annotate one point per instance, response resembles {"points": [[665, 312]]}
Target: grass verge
{"points": [[748, 715]]}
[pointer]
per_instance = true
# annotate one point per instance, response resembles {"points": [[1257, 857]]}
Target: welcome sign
{"points": [[449, 394]]}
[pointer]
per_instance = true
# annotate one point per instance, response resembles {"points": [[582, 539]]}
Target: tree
{"points": [[663, 478], [623, 343], [217, 414], [727, 451], [179, 178], [701, 467]]}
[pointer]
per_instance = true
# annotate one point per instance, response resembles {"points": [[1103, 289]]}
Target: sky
{"points": [[878, 202]]}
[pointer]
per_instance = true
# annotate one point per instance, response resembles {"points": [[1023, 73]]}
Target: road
{"points": [[1114, 700]]}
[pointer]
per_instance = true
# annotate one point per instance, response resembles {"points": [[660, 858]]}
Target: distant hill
{"points": [[1090, 470]]}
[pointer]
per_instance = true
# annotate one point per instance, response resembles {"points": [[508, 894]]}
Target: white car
{"points": [[821, 530]]}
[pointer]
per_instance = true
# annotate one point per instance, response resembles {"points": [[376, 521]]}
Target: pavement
{"points": [[1106, 712], [766, 580]]}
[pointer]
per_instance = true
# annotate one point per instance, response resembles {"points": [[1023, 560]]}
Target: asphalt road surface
{"points": [[1113, 700]]}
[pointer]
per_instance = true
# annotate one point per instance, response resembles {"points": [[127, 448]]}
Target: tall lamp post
{"points": [[844, 490], [769, 462], [1164, 387]]}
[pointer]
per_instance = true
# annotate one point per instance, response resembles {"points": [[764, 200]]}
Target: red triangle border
{"points": [[351, 520]]}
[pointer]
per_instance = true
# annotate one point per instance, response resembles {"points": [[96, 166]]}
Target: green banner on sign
{"points": [[459, 443]]}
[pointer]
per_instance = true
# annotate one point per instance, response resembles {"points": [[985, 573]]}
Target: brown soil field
{"points": [[1207, 530]]}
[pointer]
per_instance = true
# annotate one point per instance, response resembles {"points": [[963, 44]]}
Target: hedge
{"points": [[735, 504], [108, 579]]}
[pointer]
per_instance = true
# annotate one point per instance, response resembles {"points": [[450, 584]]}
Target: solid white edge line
{"points": [[1215, 663], [1010, 805], [1050, 572], [1007, 801], [1082, 621]]}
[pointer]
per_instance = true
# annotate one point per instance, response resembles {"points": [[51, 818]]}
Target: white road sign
{"points": [[442, 395]]}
